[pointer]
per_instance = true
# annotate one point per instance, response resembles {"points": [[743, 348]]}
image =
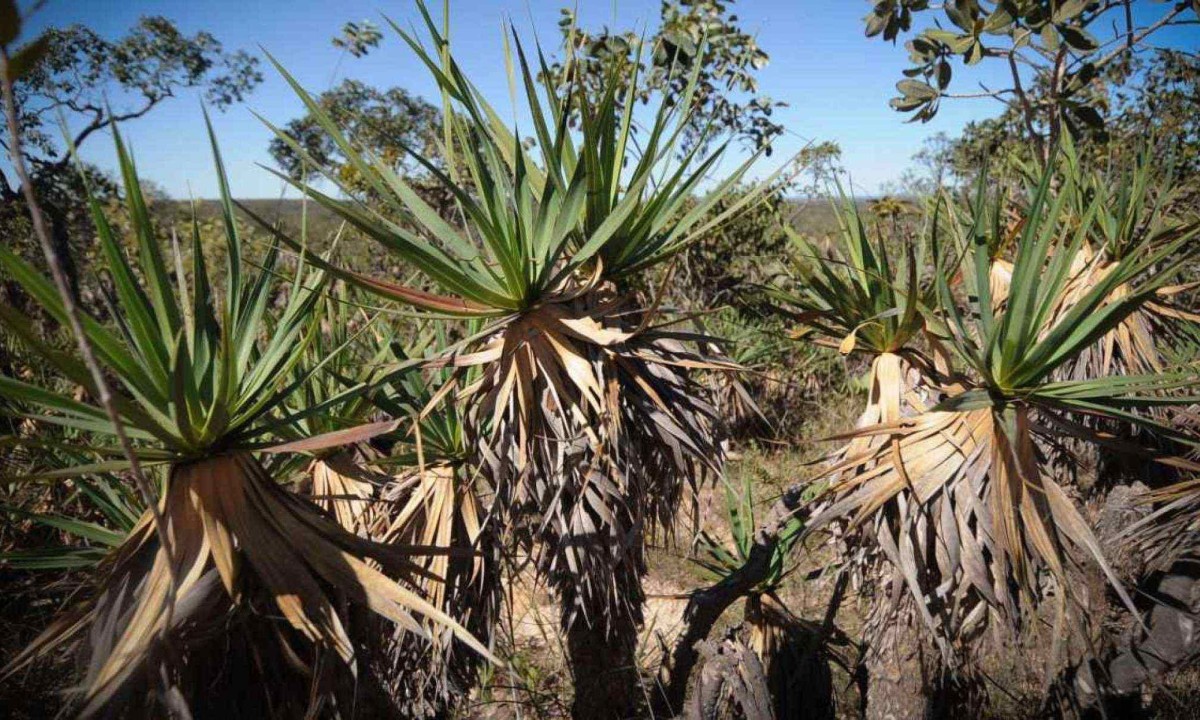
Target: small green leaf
{"points": [[921, 49], [955, 42], [1078, 38], [1069, 10], [875, 24], [942, 36], [974, 53], [1050, 38], [1036, 16], [905, 104], [998, 21], [1080, 79], [1089, 116], [916, 89], [943, 75], [959, 17]]}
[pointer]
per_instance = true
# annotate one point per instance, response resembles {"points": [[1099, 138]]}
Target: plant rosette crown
{"points": [[581, 408], [434, 497], [964, 502], [201, 384]]}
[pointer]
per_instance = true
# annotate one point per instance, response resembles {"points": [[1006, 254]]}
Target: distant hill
{"points": [[322, 223], [813, 216]]}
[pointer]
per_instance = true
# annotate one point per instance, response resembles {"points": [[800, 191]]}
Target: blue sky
{"points": [[835, 81]]}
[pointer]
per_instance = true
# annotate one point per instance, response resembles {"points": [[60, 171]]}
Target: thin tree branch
{"points": [[149, 496], [1056, 85], [1027, 113], [1129, 24], [994, 94], [103, 120], [1141, 35]]}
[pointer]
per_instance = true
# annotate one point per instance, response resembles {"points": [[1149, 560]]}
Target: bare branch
{"points": [[985, 93], [149, 496], [1027, 114], [1129, 24], [102, 121], [1056, 85], [1142, 34]]}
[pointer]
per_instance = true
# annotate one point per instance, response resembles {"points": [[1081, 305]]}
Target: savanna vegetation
{"points": [[616, 413]]}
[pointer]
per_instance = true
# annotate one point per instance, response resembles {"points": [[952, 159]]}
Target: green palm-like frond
{"points": [[972, 467], [201, 380], [576, 396], [859, 296], [722, 558], [104, 511], [532, 220], [435, 497]]}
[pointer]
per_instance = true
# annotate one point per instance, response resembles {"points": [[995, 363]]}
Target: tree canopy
{"points": [[690, 32], [385, 122], [1056, 52], [95, 81]]}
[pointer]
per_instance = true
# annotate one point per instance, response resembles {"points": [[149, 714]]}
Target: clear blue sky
{"points": [[836, 81]]}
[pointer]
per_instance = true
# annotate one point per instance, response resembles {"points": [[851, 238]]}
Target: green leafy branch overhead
{"points": [[700, 35], [358, 38], [1055, 52]]}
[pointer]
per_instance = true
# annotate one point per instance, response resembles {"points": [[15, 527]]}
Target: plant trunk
{"points": [[60, 235], [603, 658], [733, 683], [902, 664]]}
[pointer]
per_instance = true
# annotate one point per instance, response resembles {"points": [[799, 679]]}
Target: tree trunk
{"points": [[907, 677], [60, 236], [603, 658], [732, 683], [902, 664]]}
